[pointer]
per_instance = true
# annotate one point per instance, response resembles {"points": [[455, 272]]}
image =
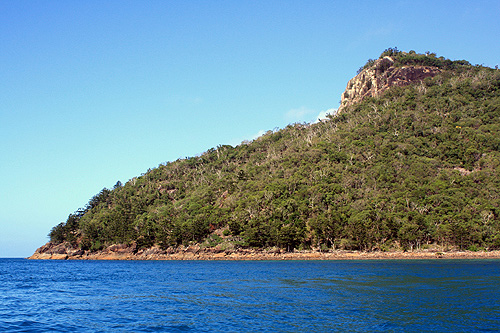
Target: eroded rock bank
{"points": [[195, 252]]}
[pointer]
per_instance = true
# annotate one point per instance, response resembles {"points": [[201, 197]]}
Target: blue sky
{"points": [[92, 92]]}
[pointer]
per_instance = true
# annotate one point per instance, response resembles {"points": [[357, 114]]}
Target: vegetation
{"points": [[418, 165], [414, 59]]}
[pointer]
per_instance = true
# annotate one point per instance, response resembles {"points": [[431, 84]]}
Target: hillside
{"points": [[410, 161]]}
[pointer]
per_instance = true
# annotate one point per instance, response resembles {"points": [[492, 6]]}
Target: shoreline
{"points": [[123, 252]]}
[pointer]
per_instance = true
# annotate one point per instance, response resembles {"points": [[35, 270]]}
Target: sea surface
{"points": [[250, 296]]}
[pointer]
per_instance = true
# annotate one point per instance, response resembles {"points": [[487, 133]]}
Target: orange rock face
{"points": [[379, 77]]}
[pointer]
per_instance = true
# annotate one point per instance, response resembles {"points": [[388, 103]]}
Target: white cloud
{"points": [[304, 114], [237, 141], [322, 115], [299, 115], [259, 134]]}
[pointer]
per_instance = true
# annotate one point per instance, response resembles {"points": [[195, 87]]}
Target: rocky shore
{"points": [[194, 252]]}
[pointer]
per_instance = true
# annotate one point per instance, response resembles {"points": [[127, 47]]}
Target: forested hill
{"points": [[410, 161]]}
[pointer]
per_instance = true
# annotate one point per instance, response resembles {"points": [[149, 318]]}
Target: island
{"points": [[408, 167]]}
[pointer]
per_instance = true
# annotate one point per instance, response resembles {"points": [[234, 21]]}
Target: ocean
{"points": [[250, 296]]}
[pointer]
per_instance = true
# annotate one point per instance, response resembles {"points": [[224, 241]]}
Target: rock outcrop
{"points": [[56, 251], [194, 252], [380, 76]]}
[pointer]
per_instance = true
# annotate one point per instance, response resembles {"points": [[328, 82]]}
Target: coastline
{"points": [[123, 252]]}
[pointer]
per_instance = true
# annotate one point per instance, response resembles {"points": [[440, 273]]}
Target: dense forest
{"points": [[416, 166]]}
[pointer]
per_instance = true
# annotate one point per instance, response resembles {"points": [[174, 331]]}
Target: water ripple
{"points": [[180, 296]]}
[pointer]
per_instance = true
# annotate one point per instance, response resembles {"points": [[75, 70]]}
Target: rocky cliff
{"points": [[381, 75]]}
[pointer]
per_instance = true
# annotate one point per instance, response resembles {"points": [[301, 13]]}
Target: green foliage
{"points": [[412, 58], [415, 59], [58, 233], [418, 165], [213, 240]]}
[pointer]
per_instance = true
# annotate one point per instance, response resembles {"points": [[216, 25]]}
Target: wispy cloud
{"points": [[299, 115], [304, 114], [323, 114], [238, 141], [260, 133]]}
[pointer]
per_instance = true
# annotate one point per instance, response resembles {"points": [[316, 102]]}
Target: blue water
{"points": [[249, 296]]}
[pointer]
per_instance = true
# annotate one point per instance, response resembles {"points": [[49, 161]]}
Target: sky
{"points": [[95, 92]]}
